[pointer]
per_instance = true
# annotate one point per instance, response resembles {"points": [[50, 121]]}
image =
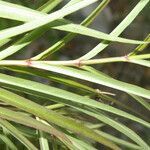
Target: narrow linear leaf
{"points": [[72, 28], [30, 122], [50, 92], [50, 5], [16, 133], [118, 126], [118, 30], [79, 29], [141, 47], [99, 79], [80, 144], [119, 141], [3, 42], [74, 84], [28, 38], [141, 101], [7, 33], [58, 45], [11, 11], [145, 63], [42, 139], [8, 142], [53, 117]]}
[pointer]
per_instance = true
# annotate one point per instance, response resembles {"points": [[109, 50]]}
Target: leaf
{"points": [[42, 139], [8, 142], [74, 84], [7, 33], [80, 144], [52, 117], [141, 101], [11, 11], [145, 63], [118, 30], [141, 47], [3, 42], [63, 96], [30, 122], [99, 79], [28, 38], [50, 5], [118, 126], [16, 133], [74, 28], [119, 141], [58, 45]]}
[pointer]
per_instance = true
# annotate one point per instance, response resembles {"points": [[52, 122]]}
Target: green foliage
{"points": [[66, 115]]}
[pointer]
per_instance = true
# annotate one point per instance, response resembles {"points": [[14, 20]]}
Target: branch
{"points": [[78, 63]]}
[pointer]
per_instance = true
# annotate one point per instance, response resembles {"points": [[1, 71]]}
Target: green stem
{"points": [[131, 59]]}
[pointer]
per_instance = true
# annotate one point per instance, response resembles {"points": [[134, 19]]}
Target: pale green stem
{"points": [[78, 63]]}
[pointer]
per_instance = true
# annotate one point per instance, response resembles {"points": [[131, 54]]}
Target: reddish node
{"points": [[78, 63], [126, 57], [29, 62]]}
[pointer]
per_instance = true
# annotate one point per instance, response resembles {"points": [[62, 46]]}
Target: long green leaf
{"points": [[118, 30], [11, 11], [30, 122], [16, 133], [141, 101], [142, 62], [21, 43], [42, 139], [80, 144], [119, 141], [140, 48], [44, 20], [4, 42], [58, 45], [79, 29], [99, 79], [64, 25], [118, 126], [8, 142], [74, 84], [50, 5], [28, 38], [50, 92], [52, 117], [70, 27]]}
